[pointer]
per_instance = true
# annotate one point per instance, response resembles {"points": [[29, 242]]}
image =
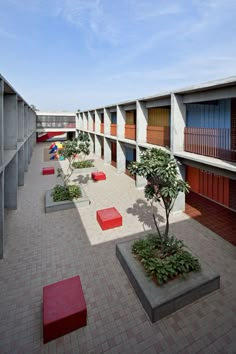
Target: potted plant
{"points": [[82, 165], [157, 264], [65, 196]]}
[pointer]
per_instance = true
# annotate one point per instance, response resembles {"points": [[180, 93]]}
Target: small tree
{"points": [[69, 152], [84, 144], [161, 173]]}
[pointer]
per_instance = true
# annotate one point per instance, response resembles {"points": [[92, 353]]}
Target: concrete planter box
{"points": [[51, 206], [160, 301], [85, 170]]}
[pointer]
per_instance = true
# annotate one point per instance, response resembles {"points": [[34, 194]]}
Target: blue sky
{"points": [[70, 54]]}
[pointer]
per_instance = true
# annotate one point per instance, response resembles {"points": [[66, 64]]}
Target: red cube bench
{"points": [[98, 176], [64, 308], [109, 218], [48, 171]]}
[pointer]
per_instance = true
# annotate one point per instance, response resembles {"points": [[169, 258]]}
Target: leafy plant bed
{"points": [[83, 164], [51, 205], [167, 261], [160, 301], [70, 192]]}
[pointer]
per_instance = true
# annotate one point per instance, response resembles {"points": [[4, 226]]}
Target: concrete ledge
{"points": [[160, 301], [51, 206], [85, 170]]}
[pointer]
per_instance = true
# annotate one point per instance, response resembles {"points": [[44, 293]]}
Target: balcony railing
{"points": [[130, 131], [102, 128], [158, 135], [113, 129], [209, 142]]}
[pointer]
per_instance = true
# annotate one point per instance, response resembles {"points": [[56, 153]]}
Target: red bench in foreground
{"points": [[64, 308], [98, 176], [48, 171], [109, 218]]}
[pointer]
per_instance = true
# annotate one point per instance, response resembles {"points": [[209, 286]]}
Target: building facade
{"points": [[17, 138], [196, 125]]}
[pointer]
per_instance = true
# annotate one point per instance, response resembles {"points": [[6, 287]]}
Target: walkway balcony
{"points": [[130, 131], [55, 124], [158, 135], [210, 142]]}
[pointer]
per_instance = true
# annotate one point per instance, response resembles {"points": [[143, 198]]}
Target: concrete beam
{"points": [[210, 95], [158, 103]]}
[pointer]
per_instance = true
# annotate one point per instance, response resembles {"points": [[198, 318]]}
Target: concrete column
{"points": [[120, 122], [20, 111], [29, 150], [26, 156], [120, 157], [21, 166], [90, 121], [77, 119], [11, 183], [141, 123], [107, 151], [178, 123], [91, 142], [25, 120], [140, 181], [10, 122], [1, 123], [179, 205], [1, 215], [107, 122], [98, 148], [28, 125], [97, 123]]}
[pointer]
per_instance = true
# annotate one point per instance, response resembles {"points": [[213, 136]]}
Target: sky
{"points": [[64, 55]]}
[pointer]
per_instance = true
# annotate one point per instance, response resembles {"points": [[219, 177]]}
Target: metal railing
{"points": [[210, 142]]}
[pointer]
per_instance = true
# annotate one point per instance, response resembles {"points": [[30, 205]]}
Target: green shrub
{"points": [[83, 164], [61, 193], [167, 264]]}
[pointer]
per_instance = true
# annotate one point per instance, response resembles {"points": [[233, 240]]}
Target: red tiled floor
{"points": [[214, 216]]}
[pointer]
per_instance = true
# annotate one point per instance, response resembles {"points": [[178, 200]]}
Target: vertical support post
{"points": [[11, 183], [120, 157], [21, 167], [10, 122], [121, 116], [107, 151], [141, 122]]}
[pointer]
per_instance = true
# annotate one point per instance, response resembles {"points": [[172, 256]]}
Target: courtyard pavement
{"points": [[45, 248]]}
